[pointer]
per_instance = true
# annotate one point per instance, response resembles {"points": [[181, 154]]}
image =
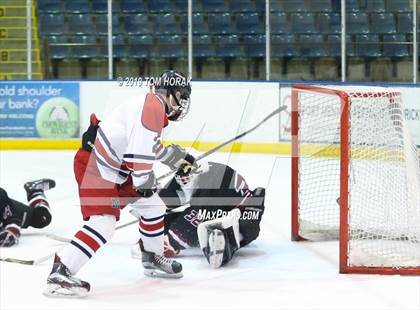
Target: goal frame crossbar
{"points": [[344, 176]]}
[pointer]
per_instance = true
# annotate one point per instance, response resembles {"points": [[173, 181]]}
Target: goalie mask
{"points": [[173, 82]]}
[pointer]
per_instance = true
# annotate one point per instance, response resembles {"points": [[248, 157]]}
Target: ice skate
{"points": [[158, 266], [36, 187], [61, 283]]}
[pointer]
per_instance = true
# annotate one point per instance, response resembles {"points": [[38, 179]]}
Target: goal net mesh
{"points": [[383, 176]]}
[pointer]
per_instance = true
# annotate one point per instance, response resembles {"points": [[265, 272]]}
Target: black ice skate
{"points": [[158, 266], [61, 283], [37, 187]]}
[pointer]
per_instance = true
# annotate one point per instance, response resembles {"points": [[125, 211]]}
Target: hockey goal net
{"points": [[356, 177]]}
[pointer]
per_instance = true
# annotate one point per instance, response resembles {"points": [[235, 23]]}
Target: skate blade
{"points": [[56, 291], [153, 273], [217, 249]]}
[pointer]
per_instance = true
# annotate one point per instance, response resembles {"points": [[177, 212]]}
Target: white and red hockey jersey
{"points": [[128, 140]]}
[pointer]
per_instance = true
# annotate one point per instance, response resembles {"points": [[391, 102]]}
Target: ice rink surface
{"points": [[271, 273]]}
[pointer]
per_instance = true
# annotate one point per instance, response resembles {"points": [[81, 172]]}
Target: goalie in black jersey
{"points": [[16, 215], [223, 213]]}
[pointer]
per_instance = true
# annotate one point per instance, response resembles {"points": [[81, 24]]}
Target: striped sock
{"points": [[151, 231], [93, 235]]}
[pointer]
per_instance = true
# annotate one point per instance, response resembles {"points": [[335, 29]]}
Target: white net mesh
{"points": [[384, 176]]}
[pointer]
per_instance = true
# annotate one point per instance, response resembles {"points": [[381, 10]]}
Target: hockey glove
{"points": [[149, 187], [177, 157], [10, 235], [89, 136]]}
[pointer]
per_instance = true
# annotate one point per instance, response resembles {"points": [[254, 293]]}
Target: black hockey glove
{"points": [[178, 157], [9, 236], [89, 136], [149, 187]]}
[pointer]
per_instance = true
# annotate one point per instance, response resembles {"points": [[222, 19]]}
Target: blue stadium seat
{"points": [[405, 22], [357, 23], [228, 46], [329, 22], [367, 45], [248, 23], [140, 46], [49, 6], [181, 6], [199, 27], [294, 6], [279, 23], [312, 45], [101, 6], [202, 47], [165, 24], [284, 46], [87, 48], [334, 45], [171, 47], [242, 6], [76, 6], [275, 6], [52, 24], [101, 23], [81, 24], [351, 6], [395, 50], [214, 6], [220, 23], [303, 23], [383, 23], [254, 45], [399, 5], [320, 6], [137, 24], [58, 51], [132, 6], [374, 6], [160, 6], [118, 48]]}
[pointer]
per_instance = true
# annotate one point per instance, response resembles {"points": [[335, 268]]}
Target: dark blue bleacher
{"points": [[137, 24], [118, 50], [171, 47], [405, 22], [165, 24], [87, 47], [367, 45], [283, 45], [160, 6], [101, 24], [199, 26], [357, 23], [303, 23], [254, 45], [202, 46], [242, 6], [399, 49], [320, 6], [58, 51], [334, 45], [399, 5], [248, 23], [220, 23], [279, 23], [132, 6], [76, 6], [101, 7], [329, 23], [294, 6], [312, 45], [81, 24], [383, 23], [373, 6], [213, 6], [52, 24], [228, 46], [140, 46], [49, 6]]}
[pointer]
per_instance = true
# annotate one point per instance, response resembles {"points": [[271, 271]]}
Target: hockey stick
{"points": [[213, 150], [28, 262]]}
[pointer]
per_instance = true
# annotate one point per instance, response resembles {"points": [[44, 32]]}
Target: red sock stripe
{"points": [[151, 227], [89, 241]]}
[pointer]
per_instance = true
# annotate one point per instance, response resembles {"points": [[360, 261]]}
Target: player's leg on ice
{"points": [[151, 213], [219, 238]]}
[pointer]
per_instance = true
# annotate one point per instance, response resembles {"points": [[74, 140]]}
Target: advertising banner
{"points": [[39, 109]]}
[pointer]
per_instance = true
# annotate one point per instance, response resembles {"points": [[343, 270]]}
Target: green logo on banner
{"points": [[58, 118]]}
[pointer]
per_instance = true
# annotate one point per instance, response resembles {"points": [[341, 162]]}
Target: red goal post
{"points": [[356, 177]]}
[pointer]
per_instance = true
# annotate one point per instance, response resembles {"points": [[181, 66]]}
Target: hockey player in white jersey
{"points": [[114, 168]]}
